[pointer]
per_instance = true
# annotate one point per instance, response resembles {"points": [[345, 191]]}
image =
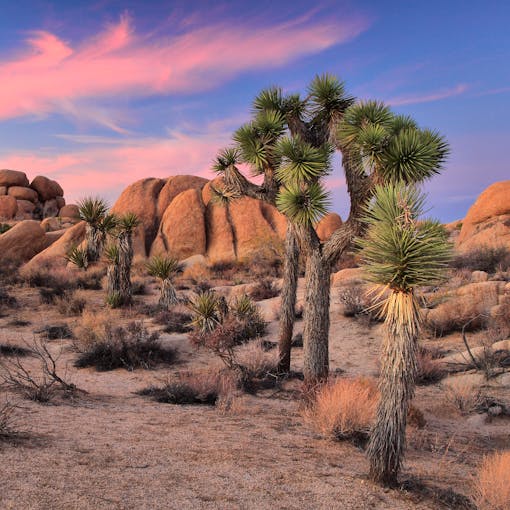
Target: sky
{"points": [[99, 93]]}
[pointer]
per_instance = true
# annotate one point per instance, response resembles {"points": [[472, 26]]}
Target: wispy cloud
{"points": [[52, 75], [428, 97]]}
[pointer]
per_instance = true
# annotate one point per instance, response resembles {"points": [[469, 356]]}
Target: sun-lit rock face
{"points": [[488, 220]]}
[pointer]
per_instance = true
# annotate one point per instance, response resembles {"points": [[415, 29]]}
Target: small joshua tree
{"points": [[93, 211], [125, 226], [165, 268], [399, 253], [112, 276]]}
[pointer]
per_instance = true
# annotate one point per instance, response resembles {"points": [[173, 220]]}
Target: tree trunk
{"points": [[396, 384], [94, 243], [125, 261], [112, 283], [168, 296], [316, 318], [288, 296]]}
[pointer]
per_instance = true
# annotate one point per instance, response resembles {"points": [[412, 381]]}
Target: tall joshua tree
{"points": [[93, 211], [125, 226], [164, 268], [112, 276], [399, 253], [312, 120]]}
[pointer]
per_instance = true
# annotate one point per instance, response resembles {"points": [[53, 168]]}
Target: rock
{"points": [[69, 211], [26, 207], [13, 178], [502, 345], [51, 224], [46, 188], [275, 218], [21, 193], [8, 207], [50, 208], [194, 259], [141, 198], [176, 185], [218, 183], [182, 230], [60, 202], [55, 254], [22, 241], [488, 220], [349, 276], [220, 236], [479, 276], [51, 237], [329, 224], [3, 190]]}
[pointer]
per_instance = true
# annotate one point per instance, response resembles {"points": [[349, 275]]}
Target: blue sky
{"points": [[100, 93]]}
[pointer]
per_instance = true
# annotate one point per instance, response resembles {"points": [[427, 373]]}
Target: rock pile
{"points": [[21, 200]]}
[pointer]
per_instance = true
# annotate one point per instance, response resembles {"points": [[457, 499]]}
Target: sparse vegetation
{"points": [[492, 482], [484, 258], [264, 289], [4, 227], [463, 393], [165, 268]]}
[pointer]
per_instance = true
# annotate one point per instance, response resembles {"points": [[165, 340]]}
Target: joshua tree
{"points": [[400, 253], [165, 268], [113, 297], [93, 211], [310, 120], [125, 226]]}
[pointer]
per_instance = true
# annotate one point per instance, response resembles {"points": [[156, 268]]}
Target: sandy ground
{"points": [[113, 449]]}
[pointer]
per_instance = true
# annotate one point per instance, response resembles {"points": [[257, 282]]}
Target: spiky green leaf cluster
{"points": [[205, 309], [128, 222], [327, 97], [163, 267], [400, 250], [78, 257], [92, 210], [108, 223], [111, 252], [226, 158], [304, 205]]}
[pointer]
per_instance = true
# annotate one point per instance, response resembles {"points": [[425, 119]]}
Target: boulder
{"points": [[55, 254], [275, 218], [13, 178], [46, 188], [349, 276], [22, 241], [206, 190], [182, 230], [60, 202], [51, 224], [141, 198], [50, 208], [220, 236], [26, 207], [8, 207], [329, 224], [3, 190], [174, 186], [69, 211], [488, 220], [479, 276], [22, 193]]}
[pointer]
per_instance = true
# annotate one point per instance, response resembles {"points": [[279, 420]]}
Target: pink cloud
{"points": [[428, 98], [50, 72]]}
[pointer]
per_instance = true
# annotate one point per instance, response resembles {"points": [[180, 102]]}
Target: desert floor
{"points": [[110, 448]]}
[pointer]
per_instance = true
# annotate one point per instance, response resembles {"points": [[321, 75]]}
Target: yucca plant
{"points": [[125, 227], [92, 210], [165, 268], [206, 312], [111, 253], [78, 257], [400, 252]]}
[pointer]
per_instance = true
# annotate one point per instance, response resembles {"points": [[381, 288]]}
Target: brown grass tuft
{"points": [[492, 484]]}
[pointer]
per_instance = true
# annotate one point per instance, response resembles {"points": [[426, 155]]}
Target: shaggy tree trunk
{"points": [[288, 296], [112, 283], [125, 261], [396, 384], [94, 243], [168, 296], [316, 317]]}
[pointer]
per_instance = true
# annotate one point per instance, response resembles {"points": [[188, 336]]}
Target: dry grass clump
{"points": [[72, 303], [175, 320], [344, 408], [195, 274], [463, 393], [256, 360], [483, 258], [130, 348], [92, 327], [429, 370], [492, 482], [354, 301], [61, 279], [7, 420]]}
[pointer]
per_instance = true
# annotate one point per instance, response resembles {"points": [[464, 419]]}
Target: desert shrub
{"points": [[189, 388], [92, 327], [130, 348], [114, 299], [354, 301], [492, 482], [257, 361], [4, 227], [55, 331], [415, 417], [463, 393], [265, 263], [173, 321], [226, 269], [42, 383], [7, 420], [429, 369], [499, 322], [244, 310], [484, 258], [61, 279], [13, 350], [344, 408], [196, 273], [264, 289], [139, 287], [71, 303], [6, 300]]}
